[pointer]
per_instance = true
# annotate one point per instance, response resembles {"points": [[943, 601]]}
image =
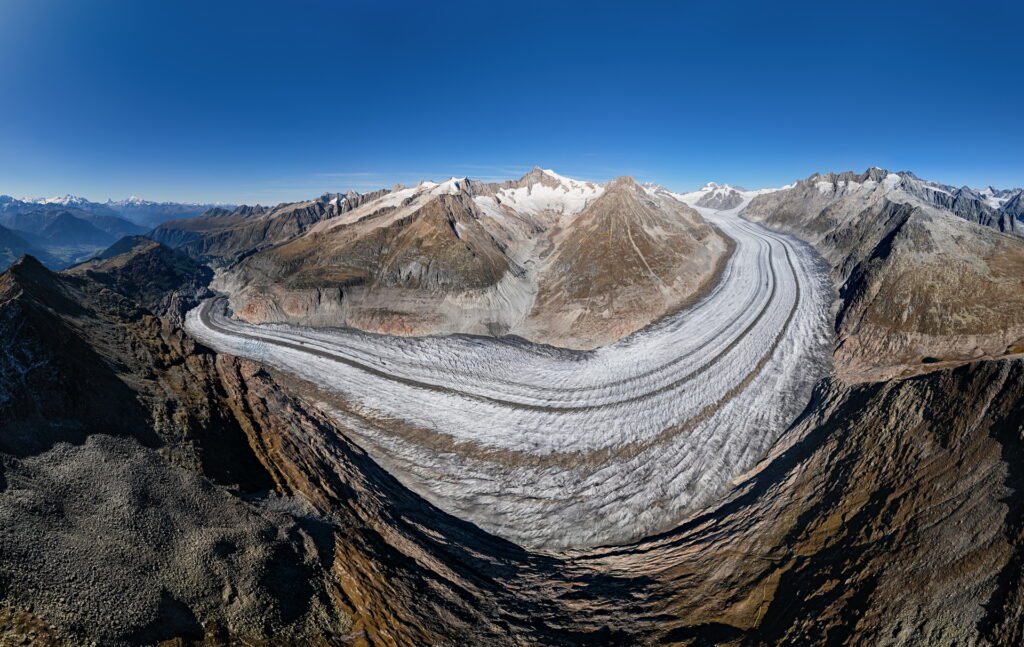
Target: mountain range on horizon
{"points": [[64, 230], [68, 241]]}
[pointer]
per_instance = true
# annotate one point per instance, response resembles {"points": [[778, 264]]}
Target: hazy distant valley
{"points": [[66, 230]]}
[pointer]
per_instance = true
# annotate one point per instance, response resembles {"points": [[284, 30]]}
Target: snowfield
{"points": [[552, 448]]}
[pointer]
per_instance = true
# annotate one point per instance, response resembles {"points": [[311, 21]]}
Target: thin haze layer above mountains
{"points": [[536, 412]]}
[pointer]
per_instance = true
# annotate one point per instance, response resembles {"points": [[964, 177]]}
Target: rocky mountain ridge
{"points": [[926, 278], [155, 492], [544, 257]]}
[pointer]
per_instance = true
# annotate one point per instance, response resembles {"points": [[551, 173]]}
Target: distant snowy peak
{"points": [[451, 186], [890, 181], [849, 182], [984, 207], [64, 201], [350, 196], [544, 191], [136, 201], [999, 198], [719, 197]]}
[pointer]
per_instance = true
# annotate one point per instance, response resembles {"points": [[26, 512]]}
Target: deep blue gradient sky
{"points": [[264, 102]]}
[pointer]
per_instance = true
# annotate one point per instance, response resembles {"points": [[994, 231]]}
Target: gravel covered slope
{"points": [[131, 507]]}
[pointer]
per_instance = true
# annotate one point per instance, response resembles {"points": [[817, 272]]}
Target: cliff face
{"points": [[882, 518], [133, 508], [152, 491]]}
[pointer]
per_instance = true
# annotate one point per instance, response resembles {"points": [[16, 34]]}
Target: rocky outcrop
{"points": [[133, 508], [1015, 208], [222, 236], [721, 198], [964, 202], [161, 279], [920, 287]]}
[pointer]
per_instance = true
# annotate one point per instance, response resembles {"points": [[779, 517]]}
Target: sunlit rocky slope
{"points": [[925, 283]]}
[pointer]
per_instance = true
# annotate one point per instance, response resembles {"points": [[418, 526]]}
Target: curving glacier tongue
{"points": [[553, 448]]}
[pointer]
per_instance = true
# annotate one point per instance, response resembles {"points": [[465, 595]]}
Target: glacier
{"points": [[559, 449]]}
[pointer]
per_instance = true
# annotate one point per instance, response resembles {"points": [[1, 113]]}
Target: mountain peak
{"points": [[623, 182], [28, 271]]}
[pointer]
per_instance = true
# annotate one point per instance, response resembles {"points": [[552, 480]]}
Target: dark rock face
{"points": [[966, 204], [1015, 208], [159, 278]]}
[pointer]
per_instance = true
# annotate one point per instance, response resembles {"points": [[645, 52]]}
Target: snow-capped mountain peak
{"points": [[64, 200], [451, 186], [544, 190]]}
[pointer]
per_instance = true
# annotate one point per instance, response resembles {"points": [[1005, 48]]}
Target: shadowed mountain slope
{"points": [[155, 492]]}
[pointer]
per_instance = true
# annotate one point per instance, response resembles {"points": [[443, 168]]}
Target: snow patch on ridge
{"points": [[569, 197]]}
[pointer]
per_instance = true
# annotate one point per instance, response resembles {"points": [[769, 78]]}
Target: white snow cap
{"points": [[451, 186], [570, 196], [62, 200]]}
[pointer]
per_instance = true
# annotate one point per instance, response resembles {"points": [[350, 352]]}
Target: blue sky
{"points": [[266, 102]]}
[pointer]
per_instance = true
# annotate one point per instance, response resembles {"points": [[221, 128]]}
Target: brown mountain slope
{"points": [[920, 286], [625, 260], [133, 495], [118, 458], [381, 272], [550, 259]]}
